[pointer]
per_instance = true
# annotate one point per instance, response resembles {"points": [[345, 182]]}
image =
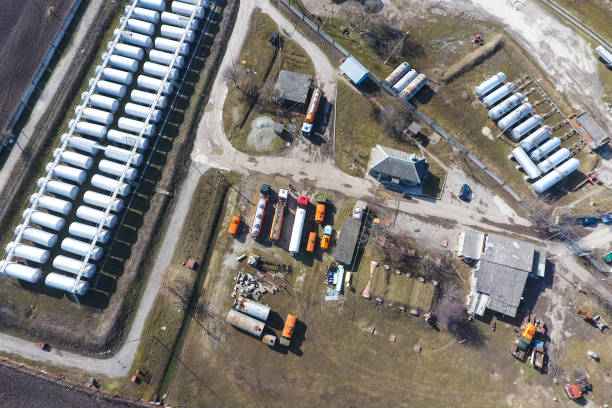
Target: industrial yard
{"points": [[308, 203]]}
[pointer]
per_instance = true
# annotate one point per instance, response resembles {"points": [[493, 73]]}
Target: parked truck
{"points": [[298, 225], [320, 212], [312, 242], [522, 344], [260, 211], [311, 112], [538, 356], [285, 339], [327, 232], [277, 222]]}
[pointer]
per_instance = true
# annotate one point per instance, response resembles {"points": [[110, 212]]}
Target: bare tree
{"points": [[395, 117], [233, 73], [267, 97]]}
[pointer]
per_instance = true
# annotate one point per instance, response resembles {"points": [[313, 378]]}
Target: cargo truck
{"points": [[327, 232], [298, 225], [277, 222], [312, 242], [285, 339], [259, 215], [233, 228], [311, 112], [320, 212]]}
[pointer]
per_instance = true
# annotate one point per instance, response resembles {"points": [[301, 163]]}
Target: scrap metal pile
{"points": [[250, 287]]}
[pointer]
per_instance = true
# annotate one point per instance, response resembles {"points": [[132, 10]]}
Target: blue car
{"points": [[588, 222], [466, 193]]}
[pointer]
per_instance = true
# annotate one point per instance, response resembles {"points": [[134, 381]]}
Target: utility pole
{"points": [[406, 34]]}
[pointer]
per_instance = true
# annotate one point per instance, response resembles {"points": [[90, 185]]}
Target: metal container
{"points": [[165, 44], [147, 98], [498, 95], [159, 71], [116, 75], [405, 80], [103, 201], [141, 112], [252, 308], [77, 247], [59, 188], [66, 283], [506, 106], [68, 173], [95, 216], [122, 155], [516, 115], [539, 153], [127, 139], [44, 220], [74, 159], [144, 14], [525, 127], [176, 33], [537, 137], [109, 88], [138, 26], [154, 84], [37, 236], [116, 169], [89, 129], [245, 323], [52, 204], [82, 144], [187, 9], [126, 50], [397, 73], [554, 160], [110, 184], [157, 5], [20, 271], [95, 115], [490, 84], [269, 339], [555, 176], [73, 266], [525, 163], [120, 62], [88, 231], [29, 253], [133, 38], [178, 20], [101, 101], [135, 126], [413, 87]]}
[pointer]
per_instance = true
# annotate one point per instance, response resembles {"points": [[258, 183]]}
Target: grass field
{"points": [[595, 14]]}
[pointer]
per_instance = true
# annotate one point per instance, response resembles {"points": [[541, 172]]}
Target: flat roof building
{"points": [[589, 130], [347, 240], [293, 87]]}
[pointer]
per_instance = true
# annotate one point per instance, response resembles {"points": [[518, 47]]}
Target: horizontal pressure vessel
{"points": [[29, 252], [88, 231], [554, 160], [252, 308], [154, 84], [73, 266], [127, 139], [101, 101], [516, 115], [245, 322], [138, 26], [95, 115], [116, 169], [157, 5], [44, 219], [74, 159], [110, 184], [141, 112], [397, 73], [103, 201], [546, 148], [109, 88], [176, 33], [525, 127], [498, 95], [66, 283], [136, 126], [89, 129], [59, 188], [525, 163], [178, 20], [413, 87], [537, 137], [187, 9], [147, 98], [130, 37], [122, 155], [164, 57], [93, 215], [127, 50], [158, 70], [490, 84], [116, 75], [202, 3], [144, 14], [67, 172], [36, 236], [82, 144], [52, 204], [556, 175], [405, 80], [506, 106], [165, 44], [20, 271], [120, 62], [78, 247]]}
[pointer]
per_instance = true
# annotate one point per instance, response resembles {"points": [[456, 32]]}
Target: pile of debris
{"points": [[250, 287]]}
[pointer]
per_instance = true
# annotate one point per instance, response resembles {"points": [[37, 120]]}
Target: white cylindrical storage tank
{"points": [[136, 126], [102, 201], [144, 14], [554, 160], [296, 231], [78, 247], [92, 215], [405, 80], [44, 220], [101, 101], [66, 283], [488, 85], [252, 308], [122, 155], [120, 62], [20, 271], [139, 111], [176, 33], [59, 188], [506, 106], [127, 139], [516, 115], [37, 236], [159, 70], [126, 50], [158, 5], [526, 164], [154, 84], [164, 58], [75, 159], [413, 87], [116, 169], [82, 144], [88, 231], [525, 127], [245, 322], [67, 172], [73, 266], [116, 75], [165, 44], [138, 26], [499, 94], [187, 9], [28, 252], [95, 115], [178, 20], [109, 88], [89, 129], [133, 38], [147, 98], [555, 176], [110, 184], [537, 137], [397, 74], [546, 148], [204, 3], [52, 204]]}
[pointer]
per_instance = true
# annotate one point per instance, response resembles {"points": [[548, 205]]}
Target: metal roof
{"points": [[509, 252], [293, 86], [471, 244], [597, 135], [353, 69], [347, 240], [396, 163]]}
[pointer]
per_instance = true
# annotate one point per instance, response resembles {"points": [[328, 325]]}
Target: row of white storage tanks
{"points": [[405, 82]]}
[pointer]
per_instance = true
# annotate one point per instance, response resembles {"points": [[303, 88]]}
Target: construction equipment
{"points": [[327, 232], [595, 320], [538, 356], [573, 392], [285, 339], [584, 384], [277, 222], [522, 344], [234, 226]]}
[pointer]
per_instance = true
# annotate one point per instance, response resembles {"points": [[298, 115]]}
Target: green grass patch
{"points": [[595, 14]]}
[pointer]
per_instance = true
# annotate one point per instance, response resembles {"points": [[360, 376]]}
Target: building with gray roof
{"points": [[292, 87], [347, 240], [397, 170]]}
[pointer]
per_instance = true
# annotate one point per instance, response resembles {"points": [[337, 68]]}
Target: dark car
{"points": [[588, 222], [466, 193]]}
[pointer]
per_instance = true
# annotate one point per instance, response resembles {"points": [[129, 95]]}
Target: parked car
{"points": [[608, 258], [466, 193], [606, 219], [588, 222]]}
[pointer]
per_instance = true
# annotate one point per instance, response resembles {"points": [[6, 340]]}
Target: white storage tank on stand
{"points": [[413, 87], [159, 71], [130, 37], [110, 184], [525, 127], [516, 115], [102, 201], [95, 115], [138, 26], [67, 172], [490, 84], [88, 231], [536, 138], [36, 235], [203, 3], [525, 163], [115, 75], [176, 33], [126, 50], [165, 44], [497, 95], [187, 9], [73, 266], [135, 126], [78, 247], [147, 98], [20, 271], [394, 76], [101, 101], [59, 188], [555, 176], [157, 5], [546, 148], [554, 160], [109, 88], [142, 112], [116, 169], [52, 204], [164, 58], [122, 155], [405, 80], [28, 252], [144, 14], [127, 139], [178, 20], [154, 84], [75, 159], [44, 220], [92, 215], [66, 283], [120, 62], [506, 106], [82, 144], [89, 129]]}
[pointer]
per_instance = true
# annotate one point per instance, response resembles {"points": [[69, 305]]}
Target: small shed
{"points": [[589, 130], [347, 240], [353, 69], [293, 87]]}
